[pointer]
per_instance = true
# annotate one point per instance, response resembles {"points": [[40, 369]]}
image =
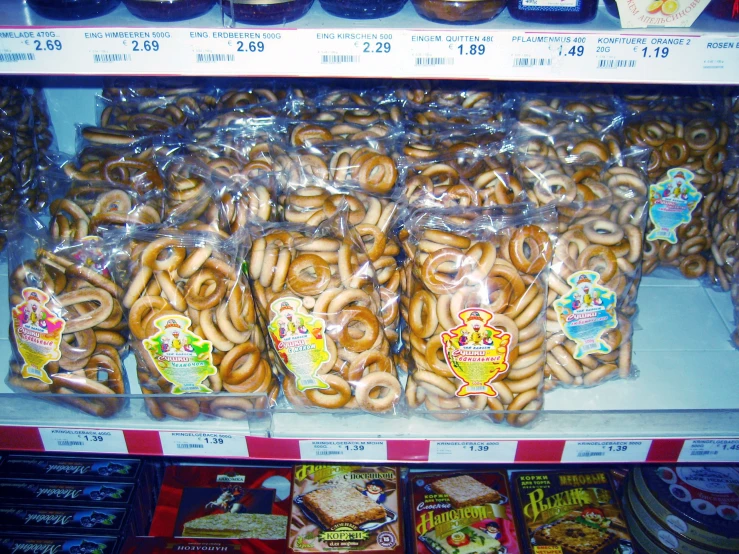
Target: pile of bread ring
{"points": [[385, 211]]}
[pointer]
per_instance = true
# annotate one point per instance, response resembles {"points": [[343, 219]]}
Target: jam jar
{"points": [[611, 7], [72, 9], [265, 12], [168, 10], [460, 12], [362, 9], [553, 11], [724, 9]]}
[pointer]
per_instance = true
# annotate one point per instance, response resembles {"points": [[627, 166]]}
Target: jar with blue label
{"points": [[265, 12], [553, 11], [72, 9], [358, 9], [168, 10], [611, 7]]}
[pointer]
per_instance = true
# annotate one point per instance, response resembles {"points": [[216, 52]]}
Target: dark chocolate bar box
{"points": [[58, 467], [570, 512], [52, 492], [50, 544], [97, 520]]}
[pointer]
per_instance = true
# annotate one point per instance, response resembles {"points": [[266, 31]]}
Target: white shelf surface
{"points": [[321, 45]]}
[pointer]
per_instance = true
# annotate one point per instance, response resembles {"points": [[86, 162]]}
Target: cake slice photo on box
{"points": [[345, 508], [570, 512], [225, 502], [462, 513]]}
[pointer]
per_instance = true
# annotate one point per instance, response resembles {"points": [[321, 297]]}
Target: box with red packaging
{"points": [[250, 504]]}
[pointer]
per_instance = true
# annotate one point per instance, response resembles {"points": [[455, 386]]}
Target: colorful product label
{"points": [[38, 333], [182, 357], [476, 352], [586, 312], [671, 204], [659, 13], [300, 341]]}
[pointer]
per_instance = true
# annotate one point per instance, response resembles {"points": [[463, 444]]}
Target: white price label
{"points": [[343, 450], [546, 51], [83, 440], [710, 450], [351, 52], [473, 451], [203, 444], [458, 53], [230, 50], [606, 451]]}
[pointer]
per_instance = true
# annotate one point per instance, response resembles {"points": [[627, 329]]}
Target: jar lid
{"points": [[701, 502]]}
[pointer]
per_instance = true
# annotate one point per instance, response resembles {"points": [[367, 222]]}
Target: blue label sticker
{"points": [[586, 312], [671, 204]]}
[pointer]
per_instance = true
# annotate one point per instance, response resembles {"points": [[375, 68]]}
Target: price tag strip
{"points": [[606, 451], [352, 52], [219, 445], [338, 450], [56, 439], [473, 451], [710, 450]]}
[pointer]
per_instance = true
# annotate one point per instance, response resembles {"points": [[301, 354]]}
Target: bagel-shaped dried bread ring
{"points": [[599, 259], [308, 275], [337, 396], [437, 281], [208, 279], [150, 255], [362, 364], [422, 316], [539, 245], [386, 400], [92, 318], [144, 306], [348, 319]]}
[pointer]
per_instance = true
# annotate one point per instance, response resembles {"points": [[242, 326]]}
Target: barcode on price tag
{"points": [[473, 451], [710, 450], [343, 450], [203, 444], [606, 451], [83, 440]]}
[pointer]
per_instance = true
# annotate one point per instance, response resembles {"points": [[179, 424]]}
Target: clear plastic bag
{"points": [[723, 262], [596, 268], [316, 290], [474, 300], [685, 170], [68, 329], [193, 324]]}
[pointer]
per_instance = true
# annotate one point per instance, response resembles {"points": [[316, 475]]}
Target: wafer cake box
{"points": [[251, 504], [462, 513], [346, 508], [570, 512]]}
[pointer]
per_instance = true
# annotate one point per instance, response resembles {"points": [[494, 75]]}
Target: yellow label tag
{"points": [[300, 341], [476, 352], [38, 333]]}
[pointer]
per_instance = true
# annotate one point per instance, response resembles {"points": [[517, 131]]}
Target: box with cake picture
{"points": [[346, 508], [225, 502], [462, 513], [570, 512]]}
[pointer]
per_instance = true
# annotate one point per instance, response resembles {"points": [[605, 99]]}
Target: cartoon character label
{"points": [[299, 339], [91, 255], [38, 333], [182, 357], [586, 312], [671, 204], [476, 352]]}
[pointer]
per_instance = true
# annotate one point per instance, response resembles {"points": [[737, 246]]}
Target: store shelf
{"points": [[405, 45], [685, 390]]}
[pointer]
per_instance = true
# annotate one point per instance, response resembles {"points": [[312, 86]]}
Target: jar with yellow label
{"points": [[459, 12], [359, 9], [72, 9], [265, 12], [553, 11], [168, 10]]}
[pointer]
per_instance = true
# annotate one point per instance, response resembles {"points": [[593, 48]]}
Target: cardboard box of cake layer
{"points": [[346, 508], [570, 512], [58, 544], [225, 502], [462, 513]]}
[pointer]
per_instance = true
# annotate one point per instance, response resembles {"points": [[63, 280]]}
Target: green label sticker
{"points": [[182, 357]]}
